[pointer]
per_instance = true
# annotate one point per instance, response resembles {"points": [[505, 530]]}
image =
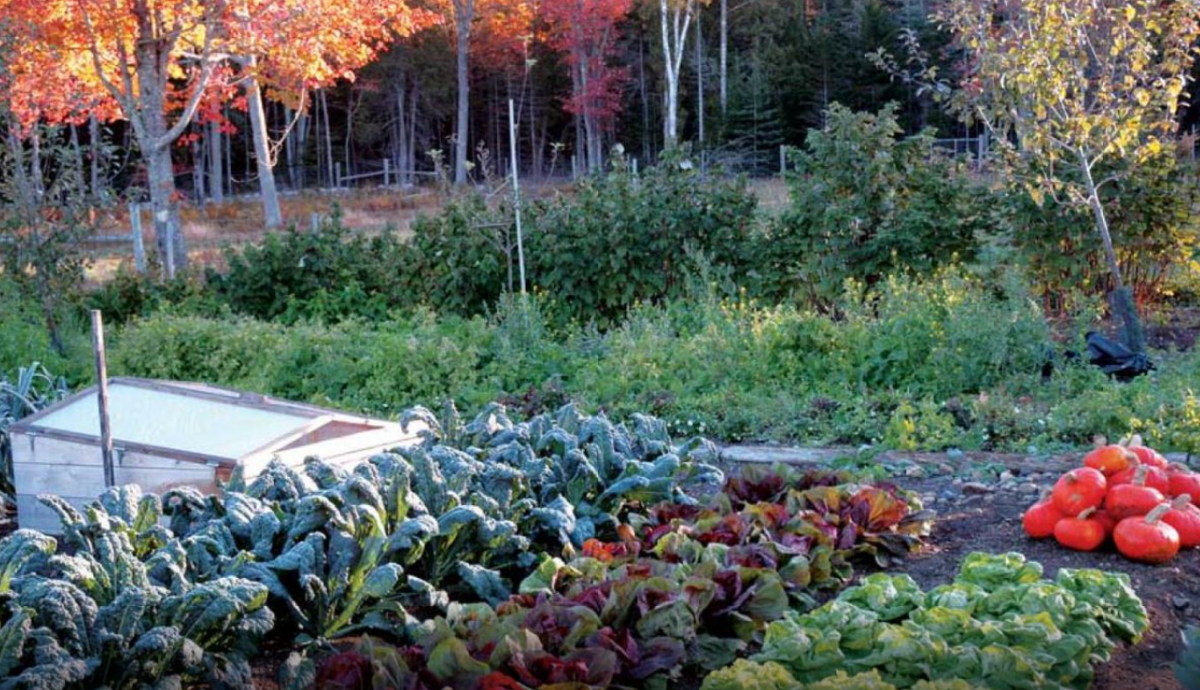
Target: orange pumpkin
{"points": [[1040, 519], [1147, 539], [1181, 481], [1109, 522], [1082, 532], [1146, 456], [1147, 475], [1185, 518], [1078, 490], [1109, 459], [1131, 500]]}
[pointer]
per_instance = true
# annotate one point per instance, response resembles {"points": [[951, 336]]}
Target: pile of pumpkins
{"points": [[1125, 491]]}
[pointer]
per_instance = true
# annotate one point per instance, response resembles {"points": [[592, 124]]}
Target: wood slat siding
{"points": [[34, 515], [73, 470]]}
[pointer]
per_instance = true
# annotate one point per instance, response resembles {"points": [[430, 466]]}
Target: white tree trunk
{"points": [[464, 13], [1121, 300], [675, 21], [272, 216], [724, 75]]}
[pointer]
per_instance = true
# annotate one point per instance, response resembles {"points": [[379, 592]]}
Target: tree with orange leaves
{"points": [[288, 47], [149, 60], [155, 61]]}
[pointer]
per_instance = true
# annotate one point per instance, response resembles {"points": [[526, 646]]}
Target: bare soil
{"points": [[991, 522]]}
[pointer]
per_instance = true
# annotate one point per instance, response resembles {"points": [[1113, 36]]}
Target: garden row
{"points": [[929, 364], [865, 203], [520, 555]]}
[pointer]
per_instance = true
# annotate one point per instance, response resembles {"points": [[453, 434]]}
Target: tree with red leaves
{"points": [[586, 30]]}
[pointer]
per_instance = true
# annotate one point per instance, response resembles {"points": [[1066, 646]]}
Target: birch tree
{"points": [[289, 47], [677, 16]]}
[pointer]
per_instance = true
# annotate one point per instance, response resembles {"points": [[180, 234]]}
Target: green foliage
{"points": [[329, 274], [998, 625], [865, 203], [728, 367], [622, 239], [463, 258], [1152, 206], [744, 674], [615, 241], [130, 295]]}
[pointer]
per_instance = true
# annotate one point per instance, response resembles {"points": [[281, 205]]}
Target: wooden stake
{"points": [[106, 441], [512, 147]]}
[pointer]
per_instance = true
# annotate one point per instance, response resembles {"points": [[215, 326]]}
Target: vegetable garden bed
{"points": [[561, 552], [991, 522]]}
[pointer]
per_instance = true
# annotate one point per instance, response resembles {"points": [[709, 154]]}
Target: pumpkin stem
{"points": [[1139, 475], [1155, 515], [1099, 441], [1178, 467], [1135, 441], [1181, 501], [1086, 514]]}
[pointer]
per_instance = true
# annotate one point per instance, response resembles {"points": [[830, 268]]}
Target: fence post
{"points": [[574, 169], [170, 264], [782, 160], [139, 247], [387, 172], [337, 175], [315, 220]]}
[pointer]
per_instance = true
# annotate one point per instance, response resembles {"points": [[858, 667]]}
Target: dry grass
{"points": [[210, 228], [772, 193]]}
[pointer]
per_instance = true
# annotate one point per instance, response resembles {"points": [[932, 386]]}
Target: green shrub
{"points": [[458, 260], [328, 274], [24, 337], [866, 202], [1154, 229], [621, 238]]}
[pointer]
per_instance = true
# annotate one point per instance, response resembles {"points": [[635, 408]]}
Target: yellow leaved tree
{"points": [[1077, 93]]}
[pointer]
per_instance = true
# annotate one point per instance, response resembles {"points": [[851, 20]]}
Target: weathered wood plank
{"points": [[783, 454], [1020, 462], [88, 480]]}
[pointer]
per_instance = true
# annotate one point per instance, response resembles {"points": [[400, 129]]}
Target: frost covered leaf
{"points": [[488, 584], [12, 641], [298, 672], [20, 550], [209, 611]]}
